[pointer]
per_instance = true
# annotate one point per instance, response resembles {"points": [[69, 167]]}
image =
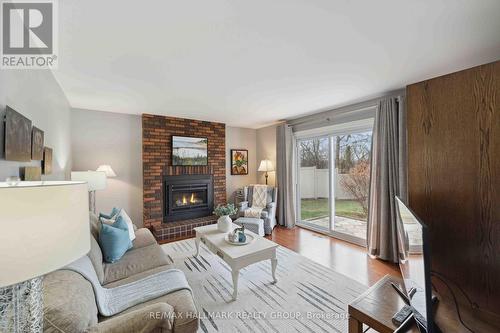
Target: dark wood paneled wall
{"points": [[454, 176]]}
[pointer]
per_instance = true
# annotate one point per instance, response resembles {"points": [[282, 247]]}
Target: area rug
{"points": [[308, 297]]}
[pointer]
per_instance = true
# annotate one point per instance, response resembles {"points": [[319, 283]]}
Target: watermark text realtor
{"points": [[29, 34]]}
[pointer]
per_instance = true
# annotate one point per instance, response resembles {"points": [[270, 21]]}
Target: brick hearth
{"points": [[168, 232], [157, 134]]}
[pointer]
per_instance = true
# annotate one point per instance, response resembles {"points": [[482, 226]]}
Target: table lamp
{"points": [[266, 166], [44, 226], [107, 170], [96, 180]]}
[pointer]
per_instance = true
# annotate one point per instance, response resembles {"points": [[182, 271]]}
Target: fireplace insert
{"points": [[187, 197]]}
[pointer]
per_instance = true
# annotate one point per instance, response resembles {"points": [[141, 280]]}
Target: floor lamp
{"points": [[96, 180], [57, 219]]}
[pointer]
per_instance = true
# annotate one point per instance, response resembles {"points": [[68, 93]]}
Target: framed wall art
{"points": [[37, 144], [47, 161], [189, 150], [239, 162], [17, 136]]}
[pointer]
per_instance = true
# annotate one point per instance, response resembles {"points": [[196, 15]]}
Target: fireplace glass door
{"points": [[189, 198]]}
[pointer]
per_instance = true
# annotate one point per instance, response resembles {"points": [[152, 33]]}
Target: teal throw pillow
{"points": [[111, 215], [114, 240]]}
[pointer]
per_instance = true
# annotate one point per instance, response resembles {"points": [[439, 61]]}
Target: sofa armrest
{"points": [[155, 317]]}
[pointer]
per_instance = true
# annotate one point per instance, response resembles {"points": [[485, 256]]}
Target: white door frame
{"points": [[330, 132]]}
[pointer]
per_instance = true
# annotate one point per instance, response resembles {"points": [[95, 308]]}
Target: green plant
{"points": [[223, 210]]}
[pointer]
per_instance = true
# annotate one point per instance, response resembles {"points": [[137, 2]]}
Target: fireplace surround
{"points": [[187, 197], [157, 132]]}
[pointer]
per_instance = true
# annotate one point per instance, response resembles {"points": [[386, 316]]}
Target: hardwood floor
{"points": [[346, 258]]}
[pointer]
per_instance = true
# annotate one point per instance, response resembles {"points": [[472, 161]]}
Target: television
{"points": [[189, 151], [414, 263]]}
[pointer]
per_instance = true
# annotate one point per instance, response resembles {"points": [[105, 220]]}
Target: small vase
{"points": [[224, 223]]}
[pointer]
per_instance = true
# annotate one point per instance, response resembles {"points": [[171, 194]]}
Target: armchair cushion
{"points": [[243, 204]]}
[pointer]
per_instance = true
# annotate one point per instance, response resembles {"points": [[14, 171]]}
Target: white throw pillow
{"points": [[108, 221], [130, 225]]}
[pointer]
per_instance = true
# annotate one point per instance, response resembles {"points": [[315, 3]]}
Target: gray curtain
{"points": [[286, 175], [388, 178]]}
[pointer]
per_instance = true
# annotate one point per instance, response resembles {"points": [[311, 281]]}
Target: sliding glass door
{"points": [[334, 175], [314, 176]]}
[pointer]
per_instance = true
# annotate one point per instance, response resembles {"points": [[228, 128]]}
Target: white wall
{"points": [[114, 139], [240, 138], [266, 149], [37, 95]]}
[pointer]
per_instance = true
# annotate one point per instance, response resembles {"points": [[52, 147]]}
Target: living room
{"points": [[300, 166]]}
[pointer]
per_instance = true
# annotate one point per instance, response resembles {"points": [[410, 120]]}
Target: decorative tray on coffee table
{"points": [[249, 239]]}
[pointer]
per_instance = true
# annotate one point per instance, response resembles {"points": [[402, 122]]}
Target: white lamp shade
{"points": [[44, 226], [96, 180], [107, 170], [266, 165]]}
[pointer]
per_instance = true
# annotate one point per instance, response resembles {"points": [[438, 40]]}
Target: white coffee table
{"points": [[237, 256]]}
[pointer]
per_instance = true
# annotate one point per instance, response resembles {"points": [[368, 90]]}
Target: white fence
{"points": [[314, 184]]}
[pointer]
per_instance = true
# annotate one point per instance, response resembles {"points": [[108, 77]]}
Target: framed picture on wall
{"points": [[47, 161], [189, 150], [239, 162], [17, 136], [37, 144]]}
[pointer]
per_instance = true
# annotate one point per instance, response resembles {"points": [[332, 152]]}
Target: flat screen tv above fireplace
{"points": [[187, 197]]}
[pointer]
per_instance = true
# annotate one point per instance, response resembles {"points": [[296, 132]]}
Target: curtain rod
{"points": [[343, 110]]}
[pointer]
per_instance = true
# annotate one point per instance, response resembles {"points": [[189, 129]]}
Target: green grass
{"points": [[315, 208]]}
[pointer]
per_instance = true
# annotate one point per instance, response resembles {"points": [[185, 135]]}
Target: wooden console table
{"points": [[376, 306]]}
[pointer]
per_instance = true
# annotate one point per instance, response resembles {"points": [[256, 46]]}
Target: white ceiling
{"points": [[249, 63]]}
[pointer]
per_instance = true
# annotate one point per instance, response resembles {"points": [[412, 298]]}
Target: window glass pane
{"points": [[314, 182], [351, 178]]}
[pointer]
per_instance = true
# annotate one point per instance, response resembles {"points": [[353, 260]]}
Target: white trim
{"points": [[329, 132], [331, 180], [331, 233]]}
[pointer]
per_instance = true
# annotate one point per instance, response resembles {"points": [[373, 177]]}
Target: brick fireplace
{"points": [[157, 134]]}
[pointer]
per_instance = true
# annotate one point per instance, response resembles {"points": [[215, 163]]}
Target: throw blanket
{"points": [[259, 201], [111, 301]]}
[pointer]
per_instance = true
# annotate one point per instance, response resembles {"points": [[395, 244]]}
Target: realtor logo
{"points": [[29, 34]]}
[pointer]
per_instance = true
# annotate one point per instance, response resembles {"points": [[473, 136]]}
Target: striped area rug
{"points": [[308, 297]]}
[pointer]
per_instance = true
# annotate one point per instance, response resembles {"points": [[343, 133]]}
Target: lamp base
{"points": [[92, 201], [21, 307]]}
